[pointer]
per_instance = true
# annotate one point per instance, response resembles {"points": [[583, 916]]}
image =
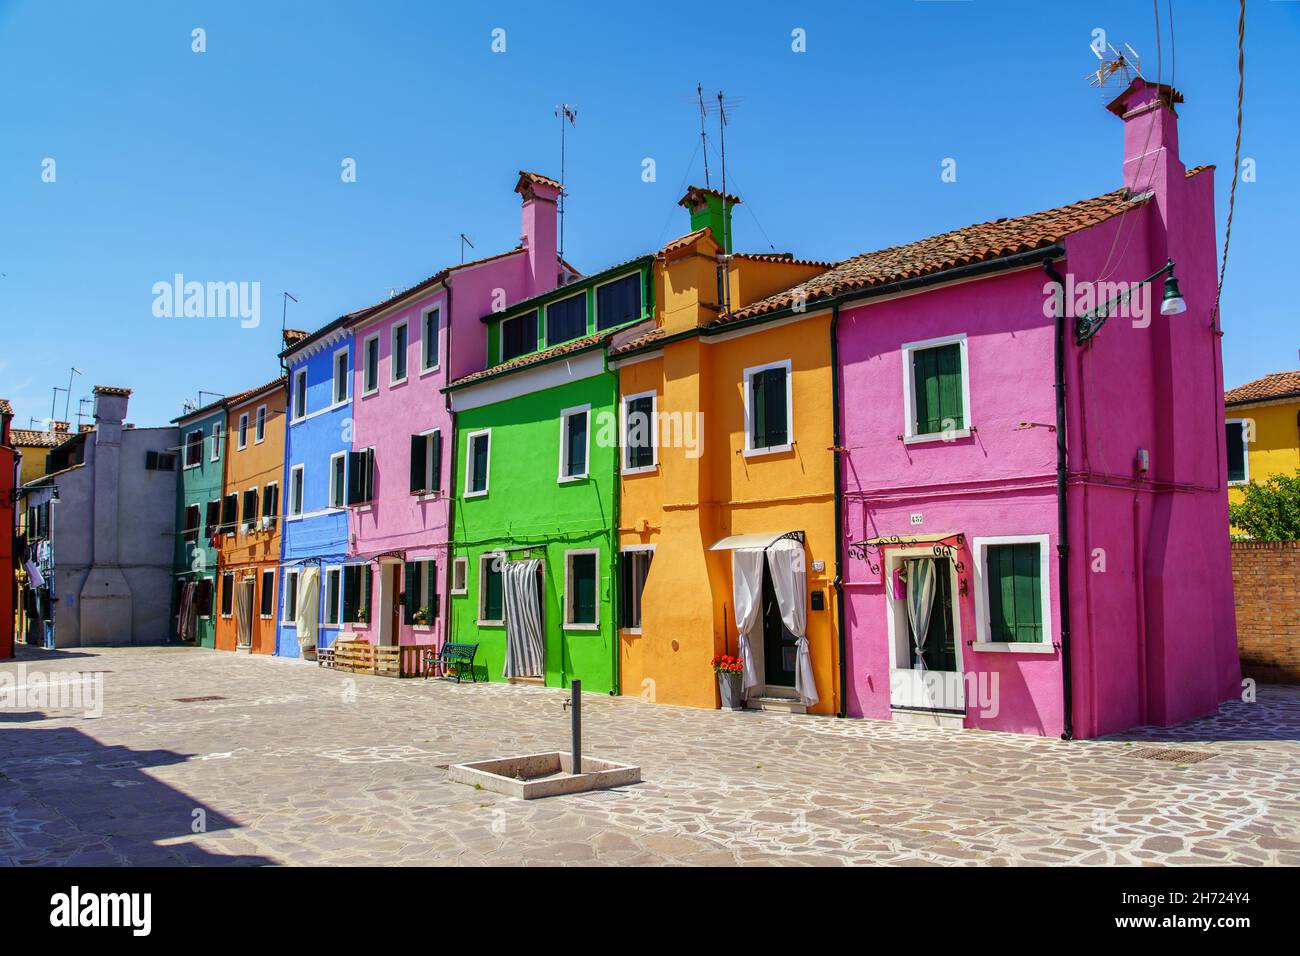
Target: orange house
{"points": [[248, 542]]}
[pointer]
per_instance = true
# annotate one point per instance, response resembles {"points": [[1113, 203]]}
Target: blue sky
{"points": [[225, 165]]}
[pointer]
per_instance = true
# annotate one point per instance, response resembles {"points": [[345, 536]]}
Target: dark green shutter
{"points": [[410, 584], [625, 589], [758, 408], [351, 587], [1236, 451], [435, 480], [492, 610], [938, 388], [777, 429], [640, 433], [1015, 595], [431, 589], [576, 428], [367, 586], [480, 463], [417, 464], [584, 588]]}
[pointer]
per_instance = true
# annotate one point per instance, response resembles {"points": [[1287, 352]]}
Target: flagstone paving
{"points": [[292, 764]]}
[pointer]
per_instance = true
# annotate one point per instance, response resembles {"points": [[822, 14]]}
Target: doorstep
{"points": [[534, 681], [779, 705], [945, 720]]}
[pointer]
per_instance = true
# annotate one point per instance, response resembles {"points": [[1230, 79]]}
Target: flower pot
{"points": [[729, 689]]}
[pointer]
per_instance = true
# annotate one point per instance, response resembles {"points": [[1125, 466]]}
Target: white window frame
{"points": [[259, 425], [1245, 448], [565, 415], [218, 439], [482, 591], [749, 373], [460, 565], [262, 590], [437, 332], [285, 575], [366, 388], [654, 433], [241, 433], [393, 381], [569, 625], [294, 508], [185, 450], [330, 502], [979, 548], [214, 610], [299, 375], [335, 401], [634, 548], [906, 350], [324, 596], [469, 462]]}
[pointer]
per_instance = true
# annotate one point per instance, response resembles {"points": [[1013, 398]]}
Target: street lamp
{"points": [[1171, 303]]}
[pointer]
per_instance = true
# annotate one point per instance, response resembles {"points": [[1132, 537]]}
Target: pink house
{"points": [[396, 480], [955, 515]]}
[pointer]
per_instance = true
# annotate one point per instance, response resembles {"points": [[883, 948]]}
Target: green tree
{"points": [[1271, 511]]}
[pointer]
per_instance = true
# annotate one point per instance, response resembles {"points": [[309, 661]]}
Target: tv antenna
{"points": [[704, 142], [464, 241], [1125, 65], [284, 324], [565, 111]]}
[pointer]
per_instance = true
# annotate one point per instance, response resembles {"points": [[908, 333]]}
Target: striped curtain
{"points": [[525, 647], [920, 603]]}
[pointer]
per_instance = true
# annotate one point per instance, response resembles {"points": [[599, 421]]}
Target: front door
{"points": [[395, 611], [924, 674], [780, 649]]}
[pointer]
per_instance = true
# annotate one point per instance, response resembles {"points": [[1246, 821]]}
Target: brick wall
{"points": [[1266, 586]]}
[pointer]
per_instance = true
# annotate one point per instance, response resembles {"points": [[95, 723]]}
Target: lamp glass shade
{"points": [[1172, 302]]}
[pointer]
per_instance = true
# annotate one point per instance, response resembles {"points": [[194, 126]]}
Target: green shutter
{"points": [[418, 482], [576, 435], [479, 463], [435, 480], [351, 587], [777, 426], [1015, 593], [758, 409], [1233, 435], [410, 591], [583, 574], [936, 376], [492, 610]]}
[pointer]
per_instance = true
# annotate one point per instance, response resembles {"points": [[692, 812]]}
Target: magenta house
{"points": [[1008, 561], [396, 480]]}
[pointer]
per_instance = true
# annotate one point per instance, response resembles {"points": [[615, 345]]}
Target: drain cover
{"points": [[196, 700], [1172, 755]]}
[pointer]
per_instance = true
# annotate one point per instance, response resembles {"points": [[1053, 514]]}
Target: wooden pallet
{"points": [[362, 657]]}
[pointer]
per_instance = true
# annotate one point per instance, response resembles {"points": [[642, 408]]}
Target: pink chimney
{"points": [[538, 236], [1151, 160]]}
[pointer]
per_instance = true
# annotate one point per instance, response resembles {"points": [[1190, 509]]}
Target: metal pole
{"points": [[576, 722]]}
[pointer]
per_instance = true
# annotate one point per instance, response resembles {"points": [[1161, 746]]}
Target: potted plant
{"points": [[421, 616], [729, 670], [361, 615]]}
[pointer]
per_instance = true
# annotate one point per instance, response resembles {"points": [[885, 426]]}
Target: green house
{"points": [[199, 469], [535, 513]]}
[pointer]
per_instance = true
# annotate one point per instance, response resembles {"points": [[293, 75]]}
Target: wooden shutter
{"points": [[1014, 591], [418, 482], [583, 574], [495, 579], [214, 516], [576, 435], [435, 480], [479, 471], [1236, 451], [936, 376], [430, 589], [410, 589], [368, 475], [351, 592], [356, 482], [151, 460], [625, 588], [229, 510], [775, 408]]}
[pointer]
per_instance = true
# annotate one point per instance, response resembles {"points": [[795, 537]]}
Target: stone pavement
{"points": [[287, 763]]}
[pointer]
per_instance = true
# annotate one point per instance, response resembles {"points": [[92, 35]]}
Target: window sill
{"points": [[398, 384], [1239, 484], [426, 495], [571, 479], [476, 494], [589, 628], [633, 631], [643, 470], [1011, 647], [293, 624], [491, 623], [930, 438], [367, 392], [461, 593], [770, 450], [266, 617], [422, 628], [430, 370]]}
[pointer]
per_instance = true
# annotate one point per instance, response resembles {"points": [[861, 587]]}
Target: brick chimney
{"points": [[710, 208], [60, 428], [538, 234]]}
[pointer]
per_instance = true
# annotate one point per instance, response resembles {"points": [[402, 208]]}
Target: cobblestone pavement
{"points": [[287, 763]]}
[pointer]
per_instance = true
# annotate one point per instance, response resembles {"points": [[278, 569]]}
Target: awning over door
{"points": [[746, 542]]}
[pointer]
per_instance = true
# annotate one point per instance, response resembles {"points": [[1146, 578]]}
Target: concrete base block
{"points": [[543, 775]]}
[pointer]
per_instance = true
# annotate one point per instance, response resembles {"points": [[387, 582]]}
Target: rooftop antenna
{"points": [[704, 142], [204, 391], [726, 219], [565, 111], [464, 241], [53, 399], [188, 406], [82, 403], [284, 324], [67, 398], [1125, 65]]}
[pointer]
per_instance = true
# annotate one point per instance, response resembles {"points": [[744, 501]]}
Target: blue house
{"points": [[314, 534]]}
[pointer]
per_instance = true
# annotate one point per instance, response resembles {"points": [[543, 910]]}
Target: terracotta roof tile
{"points": [[111, 390], [5, 407], [32, 438], [693, 194], [682, 242], [640, 341], [294, 336], [1277, 385], [978, 243], [240, 397], [527, 179], [781, 257], [536, 358]]}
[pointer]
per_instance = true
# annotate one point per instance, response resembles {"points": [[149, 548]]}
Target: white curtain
{"points": [[308, 603], [525, 649], [747, 595], [789, 570], [920, 603]]}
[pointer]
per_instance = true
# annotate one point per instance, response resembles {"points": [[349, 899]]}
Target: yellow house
{"points": [[1262, 430], [35, 446], [727, 498]]}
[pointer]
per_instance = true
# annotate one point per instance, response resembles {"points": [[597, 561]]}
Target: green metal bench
{"points": [[459, 656]]}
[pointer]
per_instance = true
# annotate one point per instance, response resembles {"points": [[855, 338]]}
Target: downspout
{"points": [[1062, 511], [616, 684], [448, 571], [837, 437]]}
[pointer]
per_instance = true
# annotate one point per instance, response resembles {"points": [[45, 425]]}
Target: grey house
{"points": [[105, 514]]}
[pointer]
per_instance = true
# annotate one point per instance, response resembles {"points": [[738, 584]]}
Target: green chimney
{"points": [[708, 207]]}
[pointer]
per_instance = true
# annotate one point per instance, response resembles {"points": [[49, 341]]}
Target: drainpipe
{"points": [[1062, 511], [616, 685], [448, 571], [837, 434]]}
